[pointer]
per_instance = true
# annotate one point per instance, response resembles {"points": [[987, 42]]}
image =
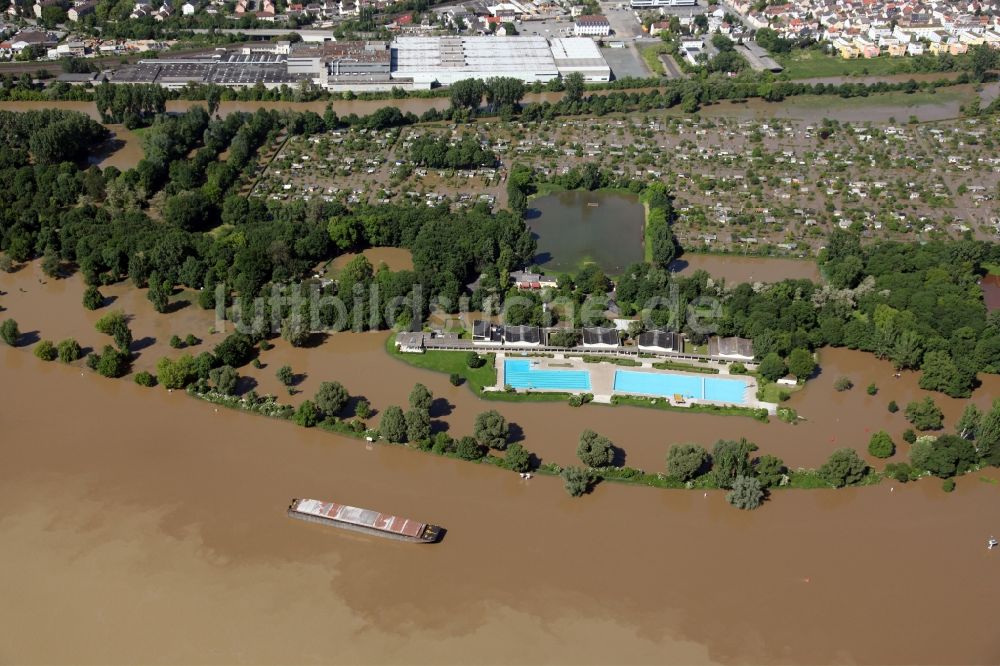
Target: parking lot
{"points": [[625, 62]]}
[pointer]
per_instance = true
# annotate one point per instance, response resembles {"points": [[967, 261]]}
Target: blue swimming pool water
{"points": [[690, 386], [520, 374]]}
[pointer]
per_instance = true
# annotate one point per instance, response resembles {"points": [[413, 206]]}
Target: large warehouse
{"points": [[409, 63], [578, 54], [445, 60]]}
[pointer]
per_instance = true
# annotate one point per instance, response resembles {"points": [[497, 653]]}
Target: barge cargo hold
{"points": [[363, 520]]}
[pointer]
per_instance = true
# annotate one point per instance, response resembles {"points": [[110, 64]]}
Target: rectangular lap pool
{"points": [[522, 375], [690, 386]]}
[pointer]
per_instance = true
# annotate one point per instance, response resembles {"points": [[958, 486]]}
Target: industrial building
{"points": [[580, 55], [408, 63], [445, 60]]}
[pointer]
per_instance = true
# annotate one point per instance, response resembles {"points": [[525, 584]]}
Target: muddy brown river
{"points": [[145, 526]]}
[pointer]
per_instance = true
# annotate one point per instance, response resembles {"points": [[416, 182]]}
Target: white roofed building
{"points": [[580, 54]]}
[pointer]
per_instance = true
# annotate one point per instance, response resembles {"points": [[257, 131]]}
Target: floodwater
{"points": [[577, 227], [395, 258], [138, 516], [735, 269], [944, 105]]}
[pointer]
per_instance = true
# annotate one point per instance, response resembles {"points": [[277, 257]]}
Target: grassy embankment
{"points": [[808, 64]]}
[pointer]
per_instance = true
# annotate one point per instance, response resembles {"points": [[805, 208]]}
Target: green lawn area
{"points": [[449, 362], [651, 55], [993, 269], [770, 392], [807, 64], [686, 367]]}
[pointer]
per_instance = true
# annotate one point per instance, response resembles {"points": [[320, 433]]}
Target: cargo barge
{"points": [[363, 520]]}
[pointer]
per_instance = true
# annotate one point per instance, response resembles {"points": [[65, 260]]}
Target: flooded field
{"points": [[735, 268], [395, 258], [578, 227], [139, 515], [359, 360]]}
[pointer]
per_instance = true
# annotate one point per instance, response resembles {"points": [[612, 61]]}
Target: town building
{"points": [[655, 342], [486, 333], [591, 25], [738, 349], [600, 337], [79, 10], [580, 56], [522, 336], [444, 60]]}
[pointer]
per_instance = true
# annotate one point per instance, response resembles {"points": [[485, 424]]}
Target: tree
{"points": [[984, 59], [577, 480], [362, 409], [924, 415], [843, 468], [988, 442], [893, 407], [770, 470], [115, 324], [968, 424], [46, 350], [517, 458], [730, 459], [943, 456], [772, 368], [159, 292], [92, 298], [595, 450], [392, 427], [236, 350], [686, 461], [491, 430], [880, 445], [746, 494], [504, 91], [10, 332], [467, 94], [69, 350], [145, 378], [421, 398], [843, 384], [176, 374], [331, 398], [474, 360], [801, 363], [574, 85], [418, 425], [467, 448], [225, 379], [939, 373], [306, 415], [295, 329], [111, 362], [285, 375]]}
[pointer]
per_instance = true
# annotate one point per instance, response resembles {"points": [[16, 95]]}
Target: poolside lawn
{"points": [[449, 362], [771, 392]]}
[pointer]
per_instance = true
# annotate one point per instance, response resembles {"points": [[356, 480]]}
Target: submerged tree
{"points": [[747, 493]]}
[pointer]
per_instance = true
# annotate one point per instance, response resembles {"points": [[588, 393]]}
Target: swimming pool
{"points": [[690, 386], [521, 374]]}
